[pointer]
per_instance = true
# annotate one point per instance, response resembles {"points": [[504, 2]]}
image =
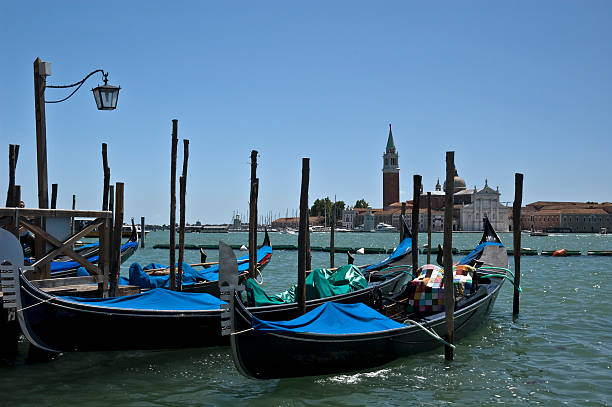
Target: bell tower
{"points": [[390, 173]]}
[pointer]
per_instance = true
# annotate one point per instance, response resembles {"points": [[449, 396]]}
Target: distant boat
{"points": [[603, 231], [383, 227], [538, 233], [319, 229]]}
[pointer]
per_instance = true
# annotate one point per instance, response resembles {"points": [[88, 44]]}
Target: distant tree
{"points": [[324, 207], [320, 206], [361, 204], [338, 208]]}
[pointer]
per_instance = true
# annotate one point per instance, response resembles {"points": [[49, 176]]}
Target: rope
{"points": [[392, 267], [497, 268], [430, 332], [507, 278], [260, 275], [243, 331], [34, 305]]}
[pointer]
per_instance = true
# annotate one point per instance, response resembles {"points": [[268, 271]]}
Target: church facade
{"points": [[485, 202]]}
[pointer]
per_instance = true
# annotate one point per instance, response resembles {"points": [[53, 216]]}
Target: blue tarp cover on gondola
{"points": [[158, 299], [140, 278], [476, 252], [333, 319], [403, 248]]}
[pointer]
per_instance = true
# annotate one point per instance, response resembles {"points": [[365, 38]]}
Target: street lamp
{"points": [[106, 99], [106, 95]]}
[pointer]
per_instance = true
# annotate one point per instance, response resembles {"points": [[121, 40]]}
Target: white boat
{"points": [[383, 227]]}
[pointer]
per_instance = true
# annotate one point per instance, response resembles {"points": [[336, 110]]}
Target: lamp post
{"points": [[106, 99]]}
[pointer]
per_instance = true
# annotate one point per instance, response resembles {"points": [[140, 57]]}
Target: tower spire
{"points": [[390, 142]]}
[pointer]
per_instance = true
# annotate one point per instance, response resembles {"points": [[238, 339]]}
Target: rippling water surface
{"points": [[558, 351]]}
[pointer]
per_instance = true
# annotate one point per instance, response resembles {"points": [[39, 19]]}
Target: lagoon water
{"points": [[557, 352]]}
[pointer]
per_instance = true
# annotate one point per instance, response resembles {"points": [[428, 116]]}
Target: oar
{"points": [[211, 263]]}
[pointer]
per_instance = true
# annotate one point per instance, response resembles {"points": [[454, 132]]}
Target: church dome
{"points": [[458, 183]]}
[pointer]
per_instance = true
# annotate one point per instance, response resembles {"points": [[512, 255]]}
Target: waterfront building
{"points": [[348, 218], [574, 217], [368, 221]]}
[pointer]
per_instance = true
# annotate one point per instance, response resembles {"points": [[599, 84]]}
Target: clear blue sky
{"points": [[520, 86]]}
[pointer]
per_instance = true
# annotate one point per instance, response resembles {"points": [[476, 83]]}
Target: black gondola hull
{"points": [[272, 355], [55, 324]]}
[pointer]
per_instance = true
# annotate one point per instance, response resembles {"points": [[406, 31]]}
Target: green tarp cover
{"points": [[321, 283]]}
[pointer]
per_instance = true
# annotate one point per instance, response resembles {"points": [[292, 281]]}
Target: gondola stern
{"points": [[134, 235], [489, 234], [406, 227], [266, 241]]}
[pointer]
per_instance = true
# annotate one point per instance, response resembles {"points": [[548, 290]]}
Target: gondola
{"points": [[156, 319], [339, 338], [197, 281]]}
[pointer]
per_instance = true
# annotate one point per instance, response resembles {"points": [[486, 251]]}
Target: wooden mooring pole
{"points": [[402, 219], [428, 227], [142, 232], [11, 200], [253, 216], [416, 194], [53, 196], [72, 219], [40, 83], [183, 192], [302, 238], [116, 247], [516, 230], [173, 204], [449, 286], [332, 243], [106, 170]]}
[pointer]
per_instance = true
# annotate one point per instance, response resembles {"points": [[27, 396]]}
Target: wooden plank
{"points": [[67, 244], [68, 252], [67, 281], [53, 213]]}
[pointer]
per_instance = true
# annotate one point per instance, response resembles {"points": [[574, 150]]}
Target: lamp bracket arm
{"points": [[79, 83]]}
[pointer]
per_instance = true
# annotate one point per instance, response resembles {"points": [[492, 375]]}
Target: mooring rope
{"points": [[497, 268], [506, 277], [430, 332], [34, 305], [243, 331]]}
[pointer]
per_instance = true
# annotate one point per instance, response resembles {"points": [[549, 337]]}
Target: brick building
{"points": [[576, 217]]}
